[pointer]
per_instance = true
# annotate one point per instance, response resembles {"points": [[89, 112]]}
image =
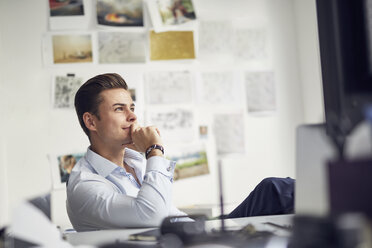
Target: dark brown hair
{"points": [[88, 98]]}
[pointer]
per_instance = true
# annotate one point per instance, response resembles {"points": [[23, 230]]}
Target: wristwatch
{"points": [[155, 146]]}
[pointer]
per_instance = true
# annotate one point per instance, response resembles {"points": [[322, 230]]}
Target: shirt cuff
{"points": [[162, 165]]}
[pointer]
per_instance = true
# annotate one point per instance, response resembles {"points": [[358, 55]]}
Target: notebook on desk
{"points": [[150, 235]]}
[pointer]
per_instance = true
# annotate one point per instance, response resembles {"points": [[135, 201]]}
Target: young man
{"points": [[114, 186]]}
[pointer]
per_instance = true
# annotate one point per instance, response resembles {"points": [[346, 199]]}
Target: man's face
{"points": [[116, 113]]}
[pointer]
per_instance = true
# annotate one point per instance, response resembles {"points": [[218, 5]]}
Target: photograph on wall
{"points": [[168, 15], [132, 94], [219, 88], [64, 90], [172, 45], [168, 87], [174, 125], [120, 13], [61, 166], [250, 45], [121, 47], [66, 8], [215, 40], [229, 133], [191, 161], [260, 91], [72, 48], [203, 132], [68, 14]]}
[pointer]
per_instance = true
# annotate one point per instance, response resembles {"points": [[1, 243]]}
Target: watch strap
{"points": [[155, 146]]}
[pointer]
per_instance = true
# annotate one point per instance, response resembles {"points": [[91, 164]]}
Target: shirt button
{"points": [[169, 168]]}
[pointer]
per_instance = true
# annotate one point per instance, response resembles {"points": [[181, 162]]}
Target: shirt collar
{"points": [[104, 167], [136, 161], [101, 165], [131, 155]]}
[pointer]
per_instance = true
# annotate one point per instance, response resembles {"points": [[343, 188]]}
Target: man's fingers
{"points": [[134, 127], [131, 146], [157, 130]]}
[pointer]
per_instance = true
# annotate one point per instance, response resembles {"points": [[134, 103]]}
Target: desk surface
{"points": [[110, 236]]}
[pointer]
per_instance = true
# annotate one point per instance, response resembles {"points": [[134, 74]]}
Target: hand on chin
{"points": [[130, 145]]}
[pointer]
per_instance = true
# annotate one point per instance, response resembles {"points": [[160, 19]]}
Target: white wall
{"points": [[309, 58], [24, 99], [32, 129], [3, 184], [3, 169]]}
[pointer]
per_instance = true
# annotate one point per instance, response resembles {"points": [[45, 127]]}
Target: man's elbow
{"points": [[152, 216]]}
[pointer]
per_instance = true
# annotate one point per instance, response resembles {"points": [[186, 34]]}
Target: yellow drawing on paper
{"points": [[172, 45]]}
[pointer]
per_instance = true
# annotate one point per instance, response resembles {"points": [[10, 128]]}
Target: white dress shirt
{"points": [[102, 195]]}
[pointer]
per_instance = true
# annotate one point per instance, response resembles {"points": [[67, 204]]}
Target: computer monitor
{"points": [[314, 150], [345, 39]]}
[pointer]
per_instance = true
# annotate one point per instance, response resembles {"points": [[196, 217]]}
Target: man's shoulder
{"points": [[82, 172]]}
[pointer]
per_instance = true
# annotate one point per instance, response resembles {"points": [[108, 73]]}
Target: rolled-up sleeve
{"points": [[93, 203]]}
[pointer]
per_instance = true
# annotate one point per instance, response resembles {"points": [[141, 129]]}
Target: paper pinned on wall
{"points": [[71, 48], [229, 133], [69, 14], [203, 132], [215, 39], [120, 13], [172, 45], [219, 88], [61, 166], [191, 160], [168, 15], [260, 91], [64, 89], [134, 80], [251, 45], [174, 125], [169, 87], [121, 47]]}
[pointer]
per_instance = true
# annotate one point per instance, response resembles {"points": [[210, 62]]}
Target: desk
{"points": [[97, 238]]}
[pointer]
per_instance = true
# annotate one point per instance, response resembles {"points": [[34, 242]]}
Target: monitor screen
{"points": [[345, 41]]}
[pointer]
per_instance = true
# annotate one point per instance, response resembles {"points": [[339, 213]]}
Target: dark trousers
{"points": [[270, 197]]}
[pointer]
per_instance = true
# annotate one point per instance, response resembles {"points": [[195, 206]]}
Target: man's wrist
{"points": [[154, 150]]}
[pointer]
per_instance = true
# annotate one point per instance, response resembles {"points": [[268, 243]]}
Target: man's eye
{"points": [[132, 109], [119, 109]]}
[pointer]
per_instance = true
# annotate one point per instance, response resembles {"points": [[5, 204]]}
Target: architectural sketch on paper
{"points": [[250, 44], [174, 125], [121, 47], [169, 87], [65, 88], [219, 87], [229, 133], [260, 91], [215, 37]]}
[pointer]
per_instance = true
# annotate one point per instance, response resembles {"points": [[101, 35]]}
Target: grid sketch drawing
{"points": [[169, 87], [229, 133], [250, 44], [65, 88], [260, 89]]}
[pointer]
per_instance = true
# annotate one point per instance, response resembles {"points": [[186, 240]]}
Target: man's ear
{"points": [[89, 121]]}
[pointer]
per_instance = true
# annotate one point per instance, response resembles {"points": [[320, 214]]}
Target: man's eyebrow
{"points": [[123, 104]]}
